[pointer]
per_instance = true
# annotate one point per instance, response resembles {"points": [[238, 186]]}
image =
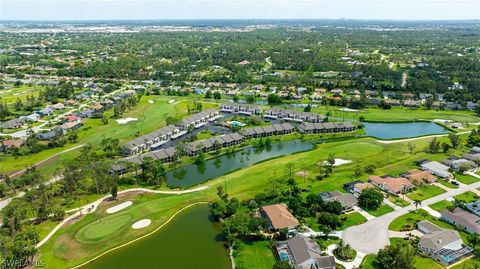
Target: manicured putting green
{"points": [[103, 229]]}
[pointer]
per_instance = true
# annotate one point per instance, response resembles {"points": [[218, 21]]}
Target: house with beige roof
{"points": [[278, 217], [418, 177]]}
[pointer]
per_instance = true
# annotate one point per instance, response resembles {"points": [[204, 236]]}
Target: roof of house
{"points": [[279, 216], [420, 175], [441, 239], [16, 143], [463, 218], [302, 249], [395, 184]]}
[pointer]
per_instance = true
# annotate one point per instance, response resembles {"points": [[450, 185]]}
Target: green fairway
{"points": [[381, 210], [19, 93], [425, 192], [257, 254], [397, 114], [109, 226], [351, 219]]}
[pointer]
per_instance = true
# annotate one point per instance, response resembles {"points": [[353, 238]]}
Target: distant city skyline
{"points": [[239, 9]]}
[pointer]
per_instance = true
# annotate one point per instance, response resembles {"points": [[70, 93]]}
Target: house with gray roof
{"points": [[303, 253], [460, 164], [436, 168], [14, 123], [443, 245], [326, 127], [123, 165], [462, 219], [347, 200], [266, 131], [214, 143], [199, 119], [152, 140]]}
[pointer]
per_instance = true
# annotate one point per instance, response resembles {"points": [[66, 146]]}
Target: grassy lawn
{"points": [[369, 262], [465, 179], [400, 114], [325, 242], [425, 192], [381, 210], [467, 197], [67, 248], [44, 228], [442, 205], [448, 184], [352, 219], [397, 201], [255, 255]]}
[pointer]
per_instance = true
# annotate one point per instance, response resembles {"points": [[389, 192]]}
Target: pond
{"points": [[190, 240], [402, 130], [193, 174]]}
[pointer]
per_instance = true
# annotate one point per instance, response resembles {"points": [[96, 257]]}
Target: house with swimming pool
{"points": [[302, 252]]}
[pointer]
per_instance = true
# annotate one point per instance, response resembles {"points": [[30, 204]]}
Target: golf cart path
{"points": [[89, 208], [417, 138], [373, 235]]}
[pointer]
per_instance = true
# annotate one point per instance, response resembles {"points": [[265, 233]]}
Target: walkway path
{"points": [[373, 235], [390, 204], [363, 213], [89, 208], [432, 212], [416, 138]]}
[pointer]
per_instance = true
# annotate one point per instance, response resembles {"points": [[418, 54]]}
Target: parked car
{"points": [[455, 183]]}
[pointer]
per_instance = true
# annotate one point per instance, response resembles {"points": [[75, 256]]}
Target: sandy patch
{"points": [[151, 101], [346, 109], [441, 120], [141, 224], [126, 120], [171, 101], [115, 209], [339, 161], [302, 173]]}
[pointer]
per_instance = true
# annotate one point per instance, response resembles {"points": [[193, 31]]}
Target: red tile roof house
{"points": [[418, 177], [12, 143], [278, 217], [72, 118], [391, 185]]}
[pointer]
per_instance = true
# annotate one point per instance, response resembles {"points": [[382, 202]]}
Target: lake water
{"points": [[195, 174], [190, 240], [402, 130]]}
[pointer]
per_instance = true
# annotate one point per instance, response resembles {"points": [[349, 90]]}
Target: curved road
{"points": [[373, 235]]}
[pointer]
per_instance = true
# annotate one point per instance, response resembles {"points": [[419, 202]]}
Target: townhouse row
{"points": [[272, 113]]}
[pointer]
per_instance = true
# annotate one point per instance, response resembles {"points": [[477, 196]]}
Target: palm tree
{"points": [[417, 203]]}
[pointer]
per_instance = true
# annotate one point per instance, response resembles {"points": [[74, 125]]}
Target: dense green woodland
{"points": [[432, 58]]}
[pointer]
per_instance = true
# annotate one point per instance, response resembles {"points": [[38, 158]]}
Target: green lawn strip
{"points": [[440, 206], [465, 179], [398, 201], [381, 210], [369, 262], [448, 184], [425, 192], [325, 242], [468, 264], [257, 254], [467, 197], [351, 219]]}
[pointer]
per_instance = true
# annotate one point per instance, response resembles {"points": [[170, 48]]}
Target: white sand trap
{"points": [[115, 209], [339, 161], [441, 120], [126, 120], [141, 224], [151, 101], [302, 173], [171, 101], [346, 109]]}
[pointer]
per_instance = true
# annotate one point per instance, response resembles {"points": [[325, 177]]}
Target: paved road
{"points": [[373, 235]]}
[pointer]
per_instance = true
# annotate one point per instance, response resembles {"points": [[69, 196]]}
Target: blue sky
{"points": [[239, 9]]}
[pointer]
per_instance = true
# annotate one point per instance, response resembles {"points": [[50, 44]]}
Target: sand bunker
{"points": [[171, 101], [346, 109], [302, 174], [339, 161], [141, 224], [151, 101], [126, 120], [115, 209]]}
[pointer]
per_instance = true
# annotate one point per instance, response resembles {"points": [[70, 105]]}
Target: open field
{"points": [[257, 254], [21, 92]]}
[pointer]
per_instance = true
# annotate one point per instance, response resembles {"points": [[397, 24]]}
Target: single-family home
{"points": [[278, 217], [443, 245], [12, 143], [436, 168], [474, 207], [347, 200], [391, 184], [418, 177], [68, 126], [460, 164], [463, 219], [302, 252], [14, 123]]}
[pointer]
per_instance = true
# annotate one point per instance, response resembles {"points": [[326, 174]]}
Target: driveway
{"points": [[373, 235]]}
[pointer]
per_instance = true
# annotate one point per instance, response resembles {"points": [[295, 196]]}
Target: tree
{"points": [[411, 147], [445, 147], [274, 99], [397, 256], [217, 95], [370, 169], [114, 191], [417, 203], [328, 219], [208, 94], [357, 171], [454, 140], [370, 199], [434, 146], [308, 108]]}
